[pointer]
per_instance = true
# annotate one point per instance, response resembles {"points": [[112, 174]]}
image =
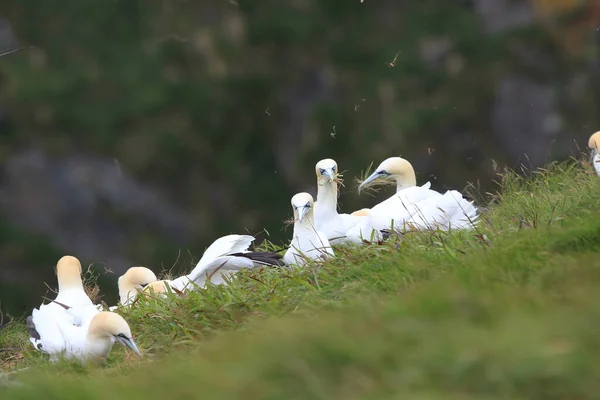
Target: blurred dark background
{"points": [[137, 132]]}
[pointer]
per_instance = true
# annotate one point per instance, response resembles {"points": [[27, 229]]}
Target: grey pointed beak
{"points": [[302, 213], [330, 174], [129, 343], [370, 179], [593, 153]]}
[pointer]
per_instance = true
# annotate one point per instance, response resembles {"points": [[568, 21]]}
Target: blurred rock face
{"points": [[79, 202]]}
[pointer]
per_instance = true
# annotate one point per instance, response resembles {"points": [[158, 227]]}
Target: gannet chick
{"points": [[58, 337], [307, 242], [327, 219], [594, 145], [419, 205], [221, 261], [132, 282]]}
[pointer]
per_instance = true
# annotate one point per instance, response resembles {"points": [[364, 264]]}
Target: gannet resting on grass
{"points": [[594, 145], [132, 282], [307, 241], [327, 219], [223, 259], [54, 334], [418, 206], [71, 292]]}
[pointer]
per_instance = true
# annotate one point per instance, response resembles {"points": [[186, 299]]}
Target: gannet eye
{"points": [[143, 285], [383, 172], [333, 168], [322, 171], [307, 205]]}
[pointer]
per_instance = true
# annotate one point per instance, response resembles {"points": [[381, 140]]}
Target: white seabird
{"points": [[134, 280], [419, 206], [594, 145], [54, 334], [221, 260], [71, 292], [327, 219], [307, 241]]}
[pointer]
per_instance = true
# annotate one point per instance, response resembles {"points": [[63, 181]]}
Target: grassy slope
{"points": [[510, 312]]}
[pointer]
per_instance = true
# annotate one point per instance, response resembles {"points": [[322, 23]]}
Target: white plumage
{"points": [[307, 242], [71, 326], [334, 226], [221, 260], [419, 207]]}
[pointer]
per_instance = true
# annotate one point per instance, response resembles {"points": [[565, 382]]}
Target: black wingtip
{"points": [[263, 257]]}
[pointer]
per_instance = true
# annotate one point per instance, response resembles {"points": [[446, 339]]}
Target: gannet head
{"points": [[302, 204], [396, 168], [108, 325], [326, 171], [68, 272], [594, 145], [133, 281]]}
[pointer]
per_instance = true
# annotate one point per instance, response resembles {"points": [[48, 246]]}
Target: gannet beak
{"points": [[592, 155], [330, 174], [370, 179], [302, 213], [129, 343]]}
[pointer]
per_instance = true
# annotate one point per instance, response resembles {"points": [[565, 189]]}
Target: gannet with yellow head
{"points": [[71, 293], [221, 261], [307, 242], [401, 205], [418, 206], [133, 281], [594, 145], [59, 338], [327, 218]]}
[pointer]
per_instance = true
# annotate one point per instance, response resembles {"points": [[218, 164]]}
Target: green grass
{"points": [[510, 311]]}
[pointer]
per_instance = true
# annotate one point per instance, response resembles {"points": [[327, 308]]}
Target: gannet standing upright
{"points": [[307, 241], [55, 335], [419, 206], [327, 218], [71, 292], [594, 145]]}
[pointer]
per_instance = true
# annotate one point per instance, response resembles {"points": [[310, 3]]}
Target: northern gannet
{"points": [[71, 292], [418, 206], [327, 219], [132, 282], [594, 145], [221, 260], [307, 241], [54, 334]]}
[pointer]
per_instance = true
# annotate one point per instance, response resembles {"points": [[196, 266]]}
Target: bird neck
{"points": [[327, 196], [126, 294], [99, 345], [69, 281], [403, 182], [307, 225]]}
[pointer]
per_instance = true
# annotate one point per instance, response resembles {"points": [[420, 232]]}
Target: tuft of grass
{"points": [[507, 311]]}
